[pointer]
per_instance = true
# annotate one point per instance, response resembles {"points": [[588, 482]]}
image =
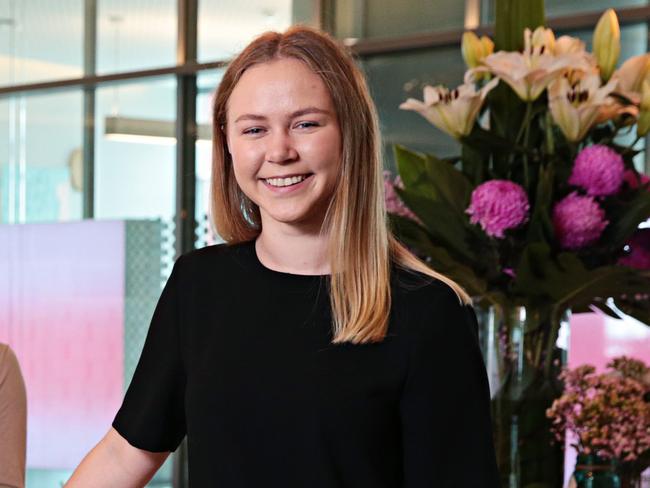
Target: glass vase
{"points": [[594, 472], [524, 349]]}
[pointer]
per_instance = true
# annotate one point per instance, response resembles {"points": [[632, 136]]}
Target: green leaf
{"points": [[565, 280], [474, 162], [433, 178], [625, 219], [450, 184], [412, 169], [512, 17], [441, 222], [410, 233]]}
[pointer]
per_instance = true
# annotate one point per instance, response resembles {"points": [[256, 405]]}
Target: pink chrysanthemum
{"points": [[638, 255], [394, 203], [631, 180], [578, 221], [598, 169], [498, 205]]}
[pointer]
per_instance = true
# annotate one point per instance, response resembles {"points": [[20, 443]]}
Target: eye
{"points": [[252, 130], [308, 124]]}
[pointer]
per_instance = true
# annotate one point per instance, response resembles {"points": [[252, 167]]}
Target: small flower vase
{"points": [[523, 358], [595, 472]]}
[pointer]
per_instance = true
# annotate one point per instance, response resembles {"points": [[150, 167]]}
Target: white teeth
{"points": [[285, 181]]}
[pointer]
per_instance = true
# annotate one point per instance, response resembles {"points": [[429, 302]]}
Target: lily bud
{"points": [[643, 123], [607, 43], [488, 46], [472, 49]]}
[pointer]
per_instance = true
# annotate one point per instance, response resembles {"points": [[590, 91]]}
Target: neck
{"points": [[293, 253]]}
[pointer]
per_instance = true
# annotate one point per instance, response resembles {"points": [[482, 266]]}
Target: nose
{"points": [[280, 147]]}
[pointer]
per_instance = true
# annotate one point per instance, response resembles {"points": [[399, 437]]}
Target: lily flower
{"points": [[529, 73], [613, 109], [571, 45], [542, 36], [631, 75], [575, 101], [453, 112]]}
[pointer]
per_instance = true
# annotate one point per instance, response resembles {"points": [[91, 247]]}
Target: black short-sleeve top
{"points": [[238, 359]]}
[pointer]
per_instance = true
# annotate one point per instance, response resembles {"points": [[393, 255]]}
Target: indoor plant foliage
{"points": [[542, 207], [608, 413]]}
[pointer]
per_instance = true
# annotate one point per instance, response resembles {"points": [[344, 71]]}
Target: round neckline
{"points": [[280, 274]]}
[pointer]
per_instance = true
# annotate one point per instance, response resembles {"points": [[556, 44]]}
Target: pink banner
{"points": [[62, 312]]}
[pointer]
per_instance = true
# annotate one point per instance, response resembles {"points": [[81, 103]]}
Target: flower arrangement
{"points": [[542, 210], [542, 207], [608, 413]]}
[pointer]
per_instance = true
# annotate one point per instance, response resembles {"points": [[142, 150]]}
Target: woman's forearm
{"points": [[114, 462]]}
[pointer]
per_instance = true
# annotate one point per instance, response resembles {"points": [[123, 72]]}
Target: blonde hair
{"points": [[360, 243]]}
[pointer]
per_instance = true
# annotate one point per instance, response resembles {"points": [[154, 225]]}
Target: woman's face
{"points": [[281, 124]]}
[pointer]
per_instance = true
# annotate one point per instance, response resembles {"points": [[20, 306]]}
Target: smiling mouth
{"points": [[286, 182]]}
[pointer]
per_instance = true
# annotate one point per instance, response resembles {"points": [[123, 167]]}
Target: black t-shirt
{"points": [[238, 358]]}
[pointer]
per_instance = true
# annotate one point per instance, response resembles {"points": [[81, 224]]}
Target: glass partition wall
{"points": [[95, 97]]}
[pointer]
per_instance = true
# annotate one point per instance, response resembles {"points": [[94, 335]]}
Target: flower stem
{"points": [[527, 117], [630, 148], [550, 141], [524, 131]]}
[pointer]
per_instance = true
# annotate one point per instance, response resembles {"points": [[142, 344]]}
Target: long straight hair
{"points": [[360, 243]]}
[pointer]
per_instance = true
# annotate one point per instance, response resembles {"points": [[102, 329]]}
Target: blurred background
{"points": [[105, 168]]}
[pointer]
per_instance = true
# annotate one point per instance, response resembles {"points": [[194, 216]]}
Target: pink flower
{"points": [[578, 221], [498, 205], [631, 180], [394, 203], [598, 169], [607, 411], [638, 255]]}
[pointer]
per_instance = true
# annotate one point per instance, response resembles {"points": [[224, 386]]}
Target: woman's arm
{"points": [[114, 462], [13, 420], [445, 406]]}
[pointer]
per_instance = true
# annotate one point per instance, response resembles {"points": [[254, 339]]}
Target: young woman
{"points": [[312, 349]]}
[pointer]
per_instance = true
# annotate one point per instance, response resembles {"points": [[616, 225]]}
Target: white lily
{"points": [[571, 45], [575, 101], [543, 36], [613, 109], [631, 76], [454, 112], [529, 73]]}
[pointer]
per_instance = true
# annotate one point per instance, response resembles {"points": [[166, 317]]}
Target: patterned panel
{"points": [[142, 287], [204, 235]]}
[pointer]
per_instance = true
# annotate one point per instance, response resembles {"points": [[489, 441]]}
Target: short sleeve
{"points": [[445, 405], [152, 415]]}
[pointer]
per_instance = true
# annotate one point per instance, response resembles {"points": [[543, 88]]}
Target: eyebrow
{"points": [[297, 113]]}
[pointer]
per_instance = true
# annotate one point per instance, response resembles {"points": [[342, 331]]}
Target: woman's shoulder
{"points": [[8, 362], [207, 257], [419, 286], [432, 305]]}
